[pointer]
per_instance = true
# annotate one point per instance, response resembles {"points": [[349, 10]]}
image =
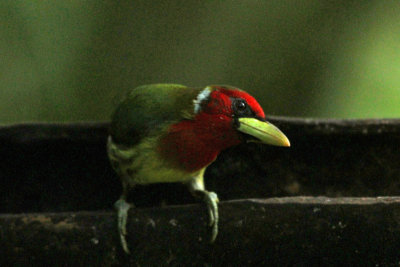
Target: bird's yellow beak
{"points": [[263, 131]]}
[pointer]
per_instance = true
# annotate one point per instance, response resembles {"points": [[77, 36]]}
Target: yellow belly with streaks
{"points": [[142, 164]]}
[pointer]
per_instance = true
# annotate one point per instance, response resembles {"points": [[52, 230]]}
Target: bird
{"points": [[170, 133]]}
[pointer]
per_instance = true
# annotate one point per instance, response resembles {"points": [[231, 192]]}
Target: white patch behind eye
{"points": [[203, 95]]}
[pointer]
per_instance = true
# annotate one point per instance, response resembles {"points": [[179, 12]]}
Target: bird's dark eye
{"points": [[240, 105], [241, 109]]}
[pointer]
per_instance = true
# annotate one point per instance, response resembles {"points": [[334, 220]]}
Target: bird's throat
{"points": [[194, 144]]}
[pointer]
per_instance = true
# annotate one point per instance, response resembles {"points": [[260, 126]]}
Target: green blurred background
{"points": [[73, 60]]}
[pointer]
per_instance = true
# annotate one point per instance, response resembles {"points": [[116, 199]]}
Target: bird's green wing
{"points": [[150, 107]]}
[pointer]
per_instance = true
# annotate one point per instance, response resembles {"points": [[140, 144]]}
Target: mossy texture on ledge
{"points": [[274, 232]]}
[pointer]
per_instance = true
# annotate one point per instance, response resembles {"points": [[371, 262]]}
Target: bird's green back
{"points": [[150, 107]]}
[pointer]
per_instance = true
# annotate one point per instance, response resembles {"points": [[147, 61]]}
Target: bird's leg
{"points": [[122, 207], [196, 187]]}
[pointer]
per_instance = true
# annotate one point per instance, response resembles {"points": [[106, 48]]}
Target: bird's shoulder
{"points": [[148, 108]]}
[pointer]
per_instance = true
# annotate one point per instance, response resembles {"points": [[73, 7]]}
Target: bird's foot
{"points": [[122, 208], [212, 200]]}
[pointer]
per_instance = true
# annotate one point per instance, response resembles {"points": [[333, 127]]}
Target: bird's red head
{"points": [[223, 117], [231, 102]]}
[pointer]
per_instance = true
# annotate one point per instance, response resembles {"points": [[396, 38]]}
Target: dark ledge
{"points": [[55, 181], [276, 232]]}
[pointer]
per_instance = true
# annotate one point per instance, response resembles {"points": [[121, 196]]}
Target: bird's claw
{"points": [[122, 208], [212, 200]]}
